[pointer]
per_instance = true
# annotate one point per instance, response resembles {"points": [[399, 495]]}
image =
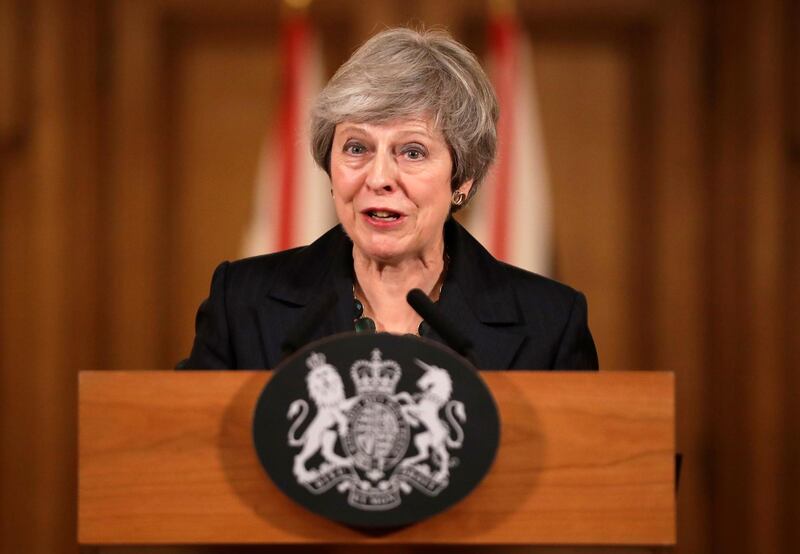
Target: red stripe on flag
{"points": [[503, 33], [294, 37]]}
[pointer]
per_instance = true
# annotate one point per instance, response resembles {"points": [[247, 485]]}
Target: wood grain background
{"points": [[129, 134]]}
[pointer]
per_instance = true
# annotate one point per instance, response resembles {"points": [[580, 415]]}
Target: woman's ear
{"points": [[466, 187]]}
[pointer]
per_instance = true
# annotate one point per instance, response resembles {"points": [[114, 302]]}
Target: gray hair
{"points": [[404, 73]]}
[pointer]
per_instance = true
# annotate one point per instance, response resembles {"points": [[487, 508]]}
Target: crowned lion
{"points": [[326, 389]]}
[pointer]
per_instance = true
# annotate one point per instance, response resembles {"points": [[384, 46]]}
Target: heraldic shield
{"points": [[376, 430]]}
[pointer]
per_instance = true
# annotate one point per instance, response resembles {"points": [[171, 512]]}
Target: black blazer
{"points": [[515, 319]]}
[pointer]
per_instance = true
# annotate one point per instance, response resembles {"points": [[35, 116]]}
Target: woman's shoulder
{"points": [[261, 264], [302, 258], [483, 271], [246, 281], [508, 301], [536, 287], [557, 316]]}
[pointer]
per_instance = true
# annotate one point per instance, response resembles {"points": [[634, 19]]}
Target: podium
{"points": [[585, 458]]}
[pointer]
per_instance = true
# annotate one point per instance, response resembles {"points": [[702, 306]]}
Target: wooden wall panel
{"points": [[12, 20], [766, 216], [223, 94], [790, 531], [37, 384], [749, 273], [588, 85], [136, 213], [677, 277], [189, 109]]}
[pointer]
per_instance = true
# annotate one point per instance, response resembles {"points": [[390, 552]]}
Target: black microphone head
{"points": [[446, 329], [419, 301]]}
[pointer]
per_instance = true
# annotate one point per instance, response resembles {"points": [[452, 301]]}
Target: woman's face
{"points": [[391, 187]]}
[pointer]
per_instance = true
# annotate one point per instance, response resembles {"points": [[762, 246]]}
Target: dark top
{"points": [[514, 318]]}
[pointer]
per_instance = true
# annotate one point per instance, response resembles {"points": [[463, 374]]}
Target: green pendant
{"points": [[364, 325]]}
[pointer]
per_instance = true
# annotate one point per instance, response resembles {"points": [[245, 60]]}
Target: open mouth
{"points": [[383, 215]]}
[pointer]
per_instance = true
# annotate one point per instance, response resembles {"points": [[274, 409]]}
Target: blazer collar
{"points": [[477, 294], [479, 298], [309, 273], [325, 263], [483, 280]]}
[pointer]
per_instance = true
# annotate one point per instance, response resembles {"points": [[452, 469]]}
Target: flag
{"points": [[291, 205], [512, 213]]}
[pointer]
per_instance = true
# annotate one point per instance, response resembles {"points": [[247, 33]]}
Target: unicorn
{"points": [[436, 387]]}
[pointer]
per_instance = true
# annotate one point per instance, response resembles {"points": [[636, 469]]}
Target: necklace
{"points": [[361, 323], [364, 324]]}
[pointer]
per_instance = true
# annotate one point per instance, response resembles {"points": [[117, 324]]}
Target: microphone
{"points": [[451, 334], [301, 332]]}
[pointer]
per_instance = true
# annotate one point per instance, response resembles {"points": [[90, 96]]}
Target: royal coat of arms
{"points": [[380, 443]]}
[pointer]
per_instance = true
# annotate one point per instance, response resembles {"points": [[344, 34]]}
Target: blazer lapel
{"points": [[478, 297], [494, 347], [307, 277]]}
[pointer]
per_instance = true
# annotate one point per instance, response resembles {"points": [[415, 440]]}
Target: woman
{"points": [[406, 130]]}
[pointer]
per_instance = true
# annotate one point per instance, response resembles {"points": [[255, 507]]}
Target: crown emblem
{"points": [[375, 375]]}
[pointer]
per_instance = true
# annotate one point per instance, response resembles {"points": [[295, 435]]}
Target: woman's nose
{"points": [[382, 175]]}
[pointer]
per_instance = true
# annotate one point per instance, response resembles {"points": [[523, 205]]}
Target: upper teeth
{"points": [[382, 214]]}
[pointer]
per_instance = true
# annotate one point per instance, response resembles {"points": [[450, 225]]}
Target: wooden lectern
{"points": [[585, 459]]}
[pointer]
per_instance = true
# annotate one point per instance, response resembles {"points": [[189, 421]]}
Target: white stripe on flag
{"points": [[530, 224], [526, 219], [310, 211]]}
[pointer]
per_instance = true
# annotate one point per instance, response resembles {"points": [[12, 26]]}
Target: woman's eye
{"points": [[354, 148], [414, 153]]}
